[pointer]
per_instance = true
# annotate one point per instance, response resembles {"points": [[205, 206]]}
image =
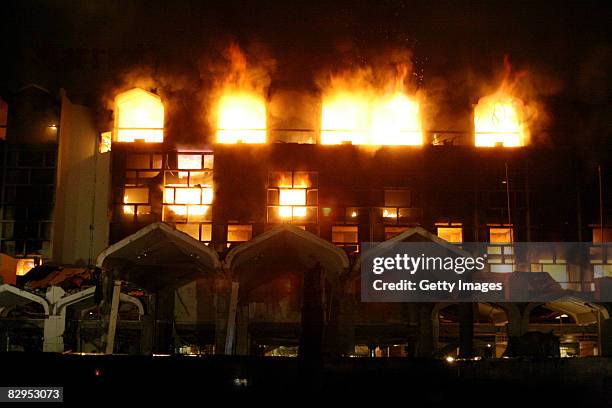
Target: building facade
{"points": [[254, 248]]}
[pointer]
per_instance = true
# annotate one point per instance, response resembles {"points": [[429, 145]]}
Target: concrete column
{"points": [[164, 321], [146, 339], [340, 329], [466, 330], [242, 330], [53, 333], [425, 344], [222, 300]]}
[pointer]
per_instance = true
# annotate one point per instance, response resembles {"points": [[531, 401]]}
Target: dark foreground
{"points": [[202, 381]]}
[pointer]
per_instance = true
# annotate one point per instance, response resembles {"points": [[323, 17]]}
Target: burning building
{"points": [[242, 244]]}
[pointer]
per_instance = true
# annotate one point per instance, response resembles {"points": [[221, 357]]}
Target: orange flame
{"points": [[366, 114], [241, 110], [499, 118], [139, 115]]}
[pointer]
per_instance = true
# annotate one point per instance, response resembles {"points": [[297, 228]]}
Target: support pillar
{"points": [[425, 345], [466, 330], [53, 333]]}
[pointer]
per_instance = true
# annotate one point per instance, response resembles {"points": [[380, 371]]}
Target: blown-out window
{"points": [[139, 115], [188, 194], [346, 236], [292, 197], [237, 233], [451, 232]]}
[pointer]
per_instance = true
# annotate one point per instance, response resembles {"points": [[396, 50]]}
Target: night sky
{"points": [[456, 46]]}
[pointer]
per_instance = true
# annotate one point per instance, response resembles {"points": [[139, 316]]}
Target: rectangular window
{"points": [[500, 235], [190, 161], [239, 233], [292, 197], [136, 195], [138, 161], [450, 232], [189, 195], [24, 265], [345, 234], [192, 230]]}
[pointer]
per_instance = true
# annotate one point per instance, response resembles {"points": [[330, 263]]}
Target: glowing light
{"points": [[24, 266], [396, 121], [345, 119], [189, 162], [299, 211], [294, 196], [450, 359], [354, 214], [498, 121], [241, 118], [139, 115], [285, 211], [187, 196], [367, 118], [390, 213], [105, 142]]}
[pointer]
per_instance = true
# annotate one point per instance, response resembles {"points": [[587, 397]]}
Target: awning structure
{"points": [[413, 234], [283, 246], [581, 311], [12, 296], [158, 256]]}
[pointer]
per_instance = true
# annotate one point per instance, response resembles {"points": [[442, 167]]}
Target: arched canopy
{"points": [[287, 244], [413, 234], [583, 312], [12, 296], [158, 256]]}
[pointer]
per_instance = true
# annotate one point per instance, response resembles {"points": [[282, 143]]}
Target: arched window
{"points": [[139, 115]]}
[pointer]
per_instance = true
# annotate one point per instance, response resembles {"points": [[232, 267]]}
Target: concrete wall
{"points": [[80, 229]]}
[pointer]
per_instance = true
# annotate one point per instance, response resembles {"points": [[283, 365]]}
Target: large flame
{"points": [[241, 117], [139, 115], [498, 121], [241, 107], [365, 114]]}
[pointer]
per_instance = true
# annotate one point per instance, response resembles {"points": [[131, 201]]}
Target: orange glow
{"points": [[285, 212], [390, 213], [396, 121], [289, 211], [189, 195], [194, 210], [345, 118], [134, 195], [189, 162], [105, 142], [24, 266], [241, 108], [359, 110], [451, 234], [500, 235], [139, 115], [498, 120], [294, 196], [241, 118]]}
